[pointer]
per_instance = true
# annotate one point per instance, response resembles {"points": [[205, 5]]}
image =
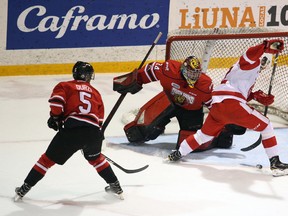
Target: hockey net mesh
{"points": [[219, 49]]}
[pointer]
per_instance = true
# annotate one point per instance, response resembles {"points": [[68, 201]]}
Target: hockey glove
{"points": [[273, 46], [54, 122], [261, 97], [127, 83]]}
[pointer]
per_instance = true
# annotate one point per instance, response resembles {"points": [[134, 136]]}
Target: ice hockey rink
{"points": [[215, 182]]}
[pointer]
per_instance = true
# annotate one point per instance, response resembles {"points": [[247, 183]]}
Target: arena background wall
{"points": [[40, 37]]}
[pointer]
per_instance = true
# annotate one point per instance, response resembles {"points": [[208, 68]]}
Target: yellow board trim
{"points": [[106, 67], [55, 69]]}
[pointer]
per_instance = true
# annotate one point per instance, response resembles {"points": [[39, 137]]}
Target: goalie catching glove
{"points": [[127, 83], [261, 97], [273, 46]]}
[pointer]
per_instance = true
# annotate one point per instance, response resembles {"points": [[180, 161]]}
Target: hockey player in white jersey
{"points": [[229, 106]]}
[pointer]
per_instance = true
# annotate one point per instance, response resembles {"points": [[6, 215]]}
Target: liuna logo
{"points": [[76, 16]]}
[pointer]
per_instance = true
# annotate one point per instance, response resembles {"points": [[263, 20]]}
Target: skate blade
{"points": [[166, 160], [278, 173], [119, 196], [17, 198]]}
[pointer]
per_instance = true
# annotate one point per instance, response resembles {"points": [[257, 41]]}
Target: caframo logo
{"points": [[41, 24], [75, 17]]}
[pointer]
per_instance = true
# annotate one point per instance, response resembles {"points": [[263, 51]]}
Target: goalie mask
{"points": [[83, 71], [191, 70]]}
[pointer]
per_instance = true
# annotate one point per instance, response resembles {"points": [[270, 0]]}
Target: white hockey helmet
{"points": [[265, 62]]}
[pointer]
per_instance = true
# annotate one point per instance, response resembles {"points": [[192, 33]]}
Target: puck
{"points": [[259, 166]]}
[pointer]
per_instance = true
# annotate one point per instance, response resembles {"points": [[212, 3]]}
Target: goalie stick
{"points": [[122, 96], [129, 171], [258, 142]]}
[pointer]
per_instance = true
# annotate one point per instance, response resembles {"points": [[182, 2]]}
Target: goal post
{"points": [[219, 49]]}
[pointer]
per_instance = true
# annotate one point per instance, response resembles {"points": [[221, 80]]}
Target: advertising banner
{"points": [[189, 14], [38, 24]]}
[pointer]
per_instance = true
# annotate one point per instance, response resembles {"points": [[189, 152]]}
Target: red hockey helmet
{"points": [[191, 70]]}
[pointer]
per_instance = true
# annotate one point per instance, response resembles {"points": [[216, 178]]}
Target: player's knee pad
{"points": [[90, 156], [93, 150]]}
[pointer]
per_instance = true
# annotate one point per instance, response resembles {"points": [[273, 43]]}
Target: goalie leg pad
{"points": [[151, 119], [142, 133], [133, 132]]}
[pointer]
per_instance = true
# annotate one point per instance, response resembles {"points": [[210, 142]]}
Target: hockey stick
{"points": [[129, 171], [258, 142], [122, 96], [116, 106]]}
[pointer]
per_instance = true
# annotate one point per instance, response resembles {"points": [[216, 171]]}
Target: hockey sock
{"points": [[104, 169], [39, 170]]}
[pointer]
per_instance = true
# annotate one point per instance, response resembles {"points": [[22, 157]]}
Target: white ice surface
{"points": [[215, 182]]}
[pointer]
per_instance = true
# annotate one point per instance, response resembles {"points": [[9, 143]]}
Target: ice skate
{"points": [[277, 167], [174, 156], [21, 191], [116, 189]]}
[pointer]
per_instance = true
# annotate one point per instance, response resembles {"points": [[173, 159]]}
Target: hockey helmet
{"points": [[83, 71], [191, 70], [265, 62]]}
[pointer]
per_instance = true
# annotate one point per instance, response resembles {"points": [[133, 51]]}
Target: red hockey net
{"points": [[219, 49]]}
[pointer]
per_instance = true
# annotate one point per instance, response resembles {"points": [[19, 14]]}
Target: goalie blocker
{"points": [[152, 118]]}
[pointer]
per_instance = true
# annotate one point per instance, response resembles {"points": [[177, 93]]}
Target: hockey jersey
{"points": [[240, 79], [175, 85], [77, 100]]}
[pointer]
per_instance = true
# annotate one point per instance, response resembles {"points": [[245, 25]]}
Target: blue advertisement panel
{"points": [[38, 24]]}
